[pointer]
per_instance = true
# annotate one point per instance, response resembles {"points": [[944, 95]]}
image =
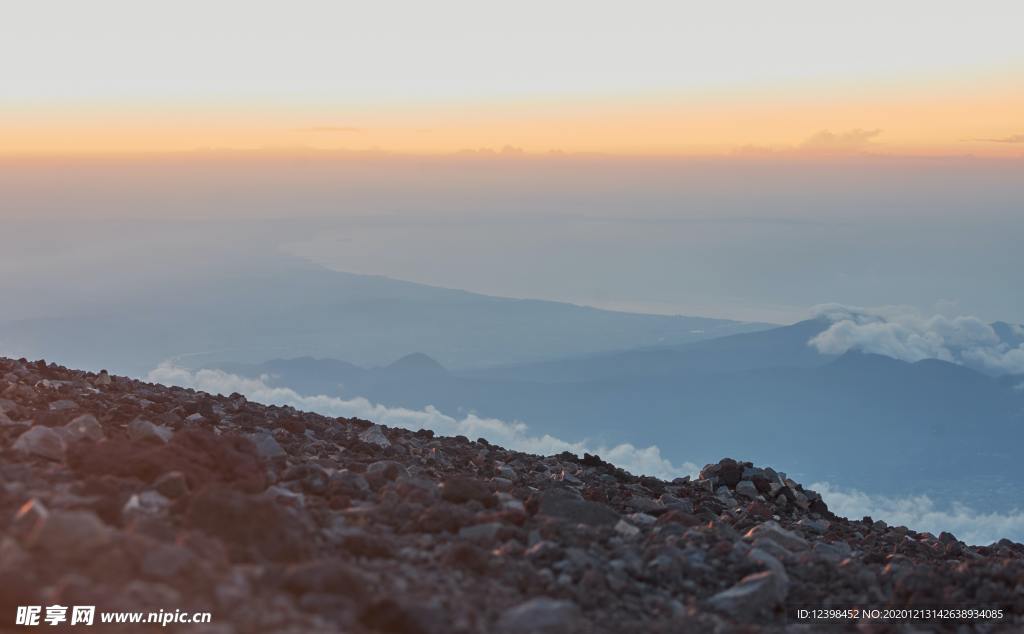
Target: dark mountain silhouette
{"points": [[859, 419]]}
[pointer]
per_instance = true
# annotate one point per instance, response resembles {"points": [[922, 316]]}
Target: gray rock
{"points": [[143, 430], [772, 547], [84, 427], [725, 495], [172, 484], [542, 616], [386, 470], [752, 595], [507, 472], [679, 504], [6, 421], [266, 445], [815, 526], [565, 505], [747, 489], [501, 484], [41, 441], [773, 565], [834, 552], [374, 435], [63, 405], [567, 477], [163, 561], [150, 503], [72, 534], [627, 530], [14, 559], [771, 530], [645, 504], [348, 483], [483, 534], [641, 519], [28, 520]]}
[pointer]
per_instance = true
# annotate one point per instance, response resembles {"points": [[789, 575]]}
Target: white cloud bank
{"points": [[514, 435], [921, 514], [903, 333]]}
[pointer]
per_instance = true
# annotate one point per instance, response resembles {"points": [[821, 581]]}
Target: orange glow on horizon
{"points": [[982, 120]]}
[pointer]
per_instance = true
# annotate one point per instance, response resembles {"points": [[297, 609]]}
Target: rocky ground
{"points": [[132, 496]]}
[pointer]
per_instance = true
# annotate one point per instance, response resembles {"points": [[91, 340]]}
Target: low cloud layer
{"points": [[920, 513], [857, 141], [848, 141], [903, 333], [1013, 138], [514, 435]]}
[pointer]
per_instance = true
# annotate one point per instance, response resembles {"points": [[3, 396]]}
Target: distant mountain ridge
{"points": [[278, 305], [766, 395]]}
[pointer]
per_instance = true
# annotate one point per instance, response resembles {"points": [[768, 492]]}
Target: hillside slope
{"points": [[931, 423], [255, 310], [133, 496]]}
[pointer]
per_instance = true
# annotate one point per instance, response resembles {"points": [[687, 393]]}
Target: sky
{"points": [[757, 239], [651, 78], [728, 159]]}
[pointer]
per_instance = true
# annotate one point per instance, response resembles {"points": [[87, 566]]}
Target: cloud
{"points": [[921, 514], [903, 333], [507, 150], [330, 128], [825, 142], [1013, 138], [850, 141], [514, 435]]}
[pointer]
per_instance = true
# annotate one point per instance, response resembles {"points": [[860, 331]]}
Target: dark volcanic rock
{"points": [[565, 505], [201, 456], [253, 528], [277, 520]]}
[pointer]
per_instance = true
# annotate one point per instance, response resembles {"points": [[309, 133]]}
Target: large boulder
{"points": [[565, 505], [41, 441]]}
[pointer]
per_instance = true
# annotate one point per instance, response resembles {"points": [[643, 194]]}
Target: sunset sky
{"points": [[659, 78]]}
